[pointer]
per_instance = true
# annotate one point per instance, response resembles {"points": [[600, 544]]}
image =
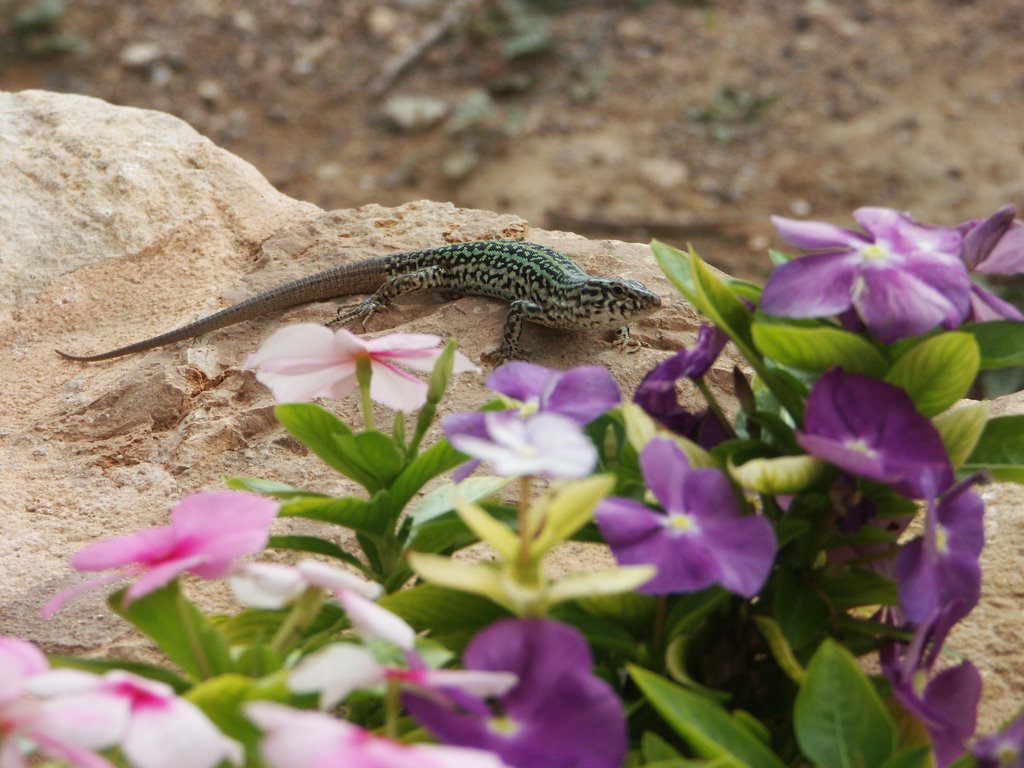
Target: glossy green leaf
{"points": [[1000, 450], [271, 488], [375, 454], [779, 475], [711, 731], [181, 630], [839, 718], [317, 429], [1001, 343], [316, 545], [346, 511], [780, 648], [435, 460], [938, 371], [815, 346], [960, 430], [223, 699], [451, 617], [919, 757]]}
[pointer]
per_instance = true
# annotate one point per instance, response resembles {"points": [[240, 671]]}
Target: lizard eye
{"points": [[618, 291]]}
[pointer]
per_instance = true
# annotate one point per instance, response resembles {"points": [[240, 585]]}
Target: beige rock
{"points": [[118, 223]]}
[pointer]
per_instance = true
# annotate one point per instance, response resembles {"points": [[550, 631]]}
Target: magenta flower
{"points": [[1004, 749], [901, 278], [871, 429], [947, 704], [559, 715], [993, 246], [701, 538], [160, 731], [545, 444], [207, 533], [297, 739], [304, 361], [658, 397], [940, 569], [61, 729]]}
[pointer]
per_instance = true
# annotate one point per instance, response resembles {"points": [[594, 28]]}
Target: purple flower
{"points": [[947, 705], [657, 392], [871, 429], [940, 568], [1002, 750], [993, 246], [553, 446], [900, 277], [701, 538], [559, 715]]}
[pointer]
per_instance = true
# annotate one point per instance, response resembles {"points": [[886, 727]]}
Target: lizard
{"points": [[540, 284]]}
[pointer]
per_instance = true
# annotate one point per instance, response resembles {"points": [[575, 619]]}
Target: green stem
{"points": [[298, 619], [714, 407], [524, 524], [392, 707], [198, 652], [363, 375]]}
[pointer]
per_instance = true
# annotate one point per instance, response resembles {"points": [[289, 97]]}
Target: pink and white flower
{"points": [[304, 361], [207, 532]]}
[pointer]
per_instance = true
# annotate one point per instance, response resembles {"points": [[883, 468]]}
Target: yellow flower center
{"points": [[681, 522], [941, 540], [505, 726], [874, 252], [860, 446]]}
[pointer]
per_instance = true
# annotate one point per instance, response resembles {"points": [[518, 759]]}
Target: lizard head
{"points": [[615, 301]]}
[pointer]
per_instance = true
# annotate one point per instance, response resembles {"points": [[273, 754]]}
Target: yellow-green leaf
{"points": [[938, 371], [783, 474], [960, 430], [570, 509]]}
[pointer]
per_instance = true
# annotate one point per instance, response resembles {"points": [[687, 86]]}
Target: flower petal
{"points": [[816, 235], [396, 389], [818, 285], [336, 671], [377, 623]]}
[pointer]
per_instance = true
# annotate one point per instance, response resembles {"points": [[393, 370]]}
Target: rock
{"points": [[414, 113], [141, 55]]}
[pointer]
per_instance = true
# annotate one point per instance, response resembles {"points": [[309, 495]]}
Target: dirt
{"points": [[681, 120]]}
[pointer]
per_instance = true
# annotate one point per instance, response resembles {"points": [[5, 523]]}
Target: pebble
{"points": [[141, 55], [414, 113]]}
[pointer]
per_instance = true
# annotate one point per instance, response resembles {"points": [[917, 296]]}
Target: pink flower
{"points": [[208, 530], [67, 730], [298, 739], [158, 729], [304, 361]]}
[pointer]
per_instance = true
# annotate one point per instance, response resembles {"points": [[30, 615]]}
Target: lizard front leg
{"points": [[421, 280], [518, 311]]}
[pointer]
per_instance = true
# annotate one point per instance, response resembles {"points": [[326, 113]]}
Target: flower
{"points": [[993, 246], [947, 704], [546, 444], [338, 669], [871, 429], [702, 537], [1002, 750], [306, 360], [559, 715], [940, 568], [161, 730], [578, 396], [297, 739], [657, 392], [68, 729], [207, 532], [274, 585], [901, 278]]}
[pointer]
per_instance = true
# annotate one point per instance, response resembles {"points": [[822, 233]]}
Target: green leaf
{"points": [[222, 699], [653, 748], [1000, 450], [857, 587], [181, 630], [800, 610], [375, 456], [938, 371], [316, 545], [915, 757], [960, 430], [780, 648], [451, 617], [711, 731], [347, 511], [811, 345], [839, 718], [437, 459], [268, 487], [781, 474], [1001, 343], [317, 429]]}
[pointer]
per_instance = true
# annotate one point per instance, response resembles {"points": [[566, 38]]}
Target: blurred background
{"points": [[677, 119]]}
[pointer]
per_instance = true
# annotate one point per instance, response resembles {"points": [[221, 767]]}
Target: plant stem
{"points": [[363, 375], [714, 407], [524, 523], [198, 651], [392, 707], [299, 617]]}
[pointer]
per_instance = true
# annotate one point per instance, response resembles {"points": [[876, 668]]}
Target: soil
{"points": [[679, 120]]}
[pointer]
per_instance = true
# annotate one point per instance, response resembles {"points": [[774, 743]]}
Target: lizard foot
{"points": [[628, 343], [362, 311]]}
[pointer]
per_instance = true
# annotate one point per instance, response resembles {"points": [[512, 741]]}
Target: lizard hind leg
{"points": [[421, 280]]}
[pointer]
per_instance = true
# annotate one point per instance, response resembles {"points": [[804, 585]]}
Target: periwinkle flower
{"points": [[871, 429], [901, 278], [1004, 749], [208, 531], [558, 715], [657, 392], [701, 538], [947, 703], [993, 246], [543, 434], [940, 569]]}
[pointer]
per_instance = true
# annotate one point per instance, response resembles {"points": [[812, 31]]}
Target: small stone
{"points": [[210, 91], [459, 164], [800, 207], [381, 21], [141, 55], [329, 172], [632, 30], [663, 173], [414, 113]]}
